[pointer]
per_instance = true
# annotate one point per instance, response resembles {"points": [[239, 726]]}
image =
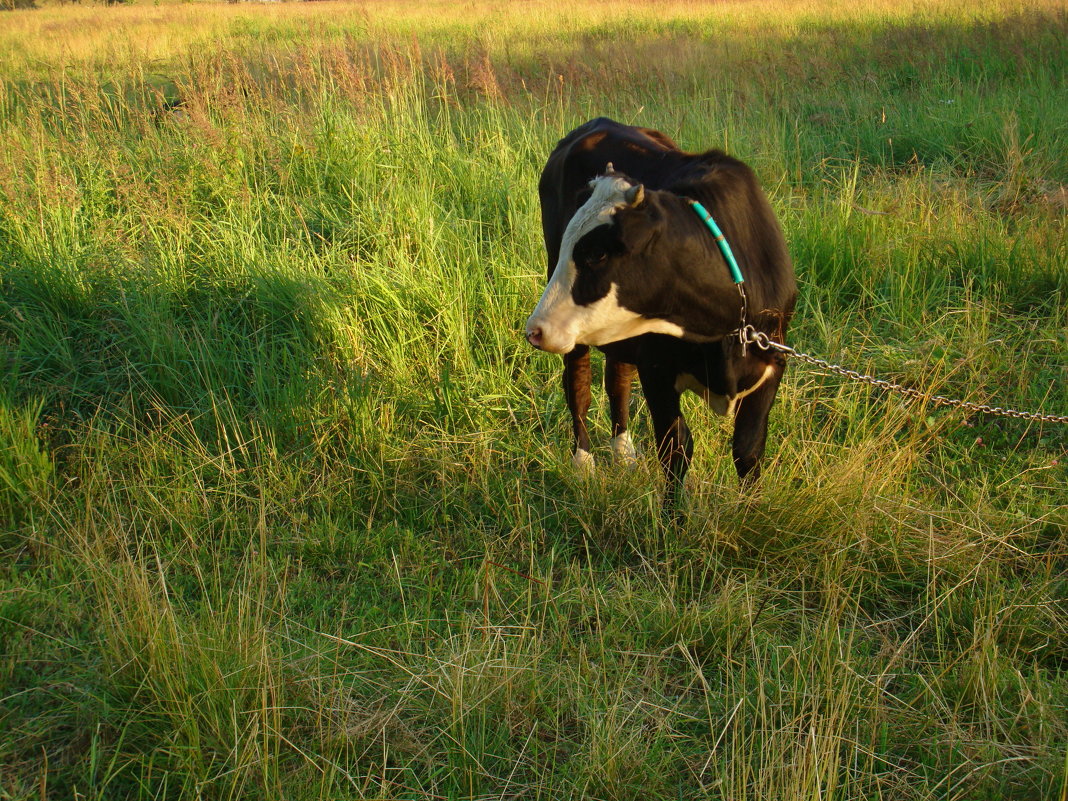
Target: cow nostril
{"points": [[534, 336]]}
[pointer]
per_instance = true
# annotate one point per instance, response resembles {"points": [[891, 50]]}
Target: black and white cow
{"points": [[634, 271]]}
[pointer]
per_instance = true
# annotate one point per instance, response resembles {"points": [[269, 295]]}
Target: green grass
{"points": [[286, 505]]}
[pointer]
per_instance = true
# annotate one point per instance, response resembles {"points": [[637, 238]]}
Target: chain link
{"points": [[748, 335]]}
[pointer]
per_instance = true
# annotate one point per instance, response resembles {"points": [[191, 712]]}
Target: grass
{"points": [[286, 508]]}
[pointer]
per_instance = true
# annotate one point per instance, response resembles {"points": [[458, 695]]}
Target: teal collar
{"points": [[721, 240]]}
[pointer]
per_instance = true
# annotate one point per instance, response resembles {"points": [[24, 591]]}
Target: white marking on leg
{"points": [[623, 449], [583, 462]]}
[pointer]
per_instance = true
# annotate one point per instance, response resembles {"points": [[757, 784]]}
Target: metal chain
{"points": [[748, 335]]}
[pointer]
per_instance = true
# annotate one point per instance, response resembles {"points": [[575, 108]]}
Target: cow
{"points": [[634, 271]]}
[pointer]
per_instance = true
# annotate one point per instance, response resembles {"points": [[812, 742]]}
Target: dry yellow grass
{"points": [[57, 36]]}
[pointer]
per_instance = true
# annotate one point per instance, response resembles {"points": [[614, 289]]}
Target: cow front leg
{"points": [[674, 445], [577, 382], [751, 425], [618, 380]]}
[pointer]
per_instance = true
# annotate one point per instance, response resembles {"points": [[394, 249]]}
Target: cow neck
{"points": [[721, 240], [732, 265]]}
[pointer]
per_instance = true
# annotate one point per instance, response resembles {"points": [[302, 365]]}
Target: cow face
{"points": [[602, 252]]}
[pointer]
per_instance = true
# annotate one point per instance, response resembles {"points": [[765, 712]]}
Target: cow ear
{"points": [[635, 196]]}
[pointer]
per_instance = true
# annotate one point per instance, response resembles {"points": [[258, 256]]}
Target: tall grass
{"points": [[285, 503]]}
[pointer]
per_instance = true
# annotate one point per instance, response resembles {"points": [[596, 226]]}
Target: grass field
{"points": [[286, 504]]}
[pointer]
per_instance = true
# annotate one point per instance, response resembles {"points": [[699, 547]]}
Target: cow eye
{"points": [[596, 248], [593, 255]]}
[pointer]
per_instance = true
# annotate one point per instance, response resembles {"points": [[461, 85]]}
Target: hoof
{"points": [[582, 460], [623, 450]]}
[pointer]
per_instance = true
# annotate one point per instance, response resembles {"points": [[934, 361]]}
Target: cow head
{"points": [[605, 261]]}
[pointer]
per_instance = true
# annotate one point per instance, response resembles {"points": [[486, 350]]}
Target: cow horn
{"points": [[609, 170], [635, 196]]}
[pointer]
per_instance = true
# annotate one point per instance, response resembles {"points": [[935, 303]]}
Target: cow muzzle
{"points": [[534, 336], [543, 338]]}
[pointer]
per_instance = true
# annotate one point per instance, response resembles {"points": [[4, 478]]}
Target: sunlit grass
{"points": [[286, 508]]}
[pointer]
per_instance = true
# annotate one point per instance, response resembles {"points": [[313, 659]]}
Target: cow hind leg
{"points": [[618, 380], [577, 392], [751, 427]]}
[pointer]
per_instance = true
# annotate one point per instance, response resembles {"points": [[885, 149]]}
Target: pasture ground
{"points": [[286, 508]]}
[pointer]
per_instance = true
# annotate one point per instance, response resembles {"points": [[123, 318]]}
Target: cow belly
{"points": [[720, 404]]}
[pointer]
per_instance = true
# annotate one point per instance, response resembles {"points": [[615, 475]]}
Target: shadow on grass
{"points": [[91, 346]]}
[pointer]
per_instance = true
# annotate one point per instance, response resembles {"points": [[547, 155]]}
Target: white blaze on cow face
{"points": [[558, 323]]}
